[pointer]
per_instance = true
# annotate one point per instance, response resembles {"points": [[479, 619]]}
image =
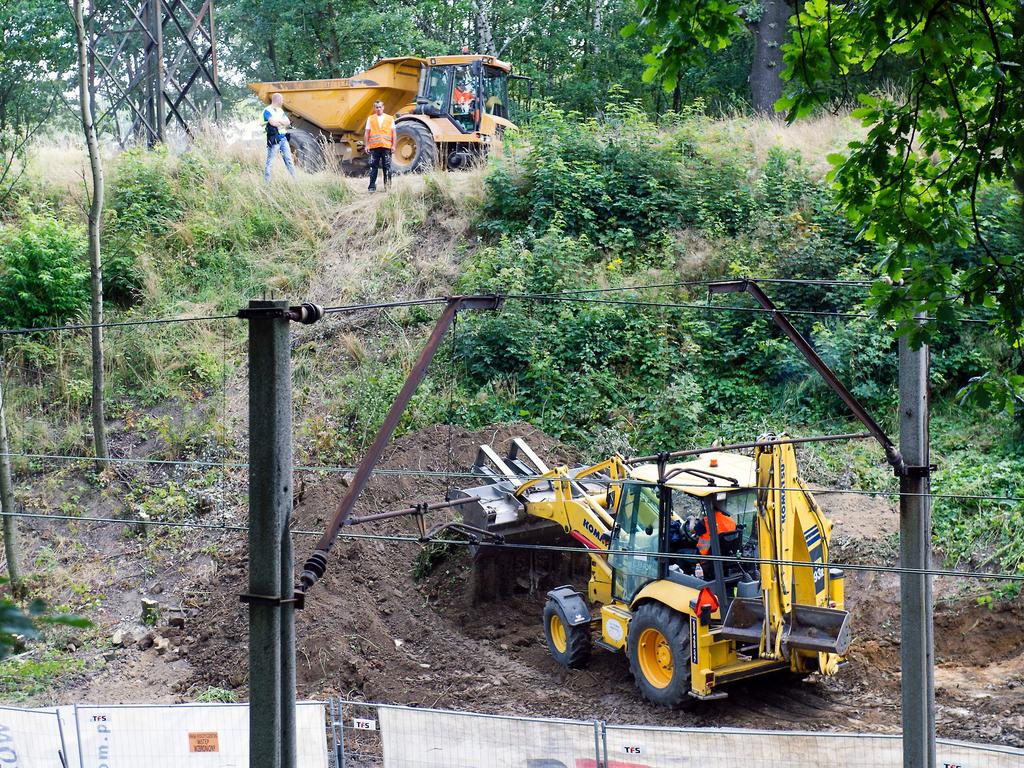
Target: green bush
{"points": [[145, 200], [610, 181], [144, 194], [980, 532], [44, 275]]}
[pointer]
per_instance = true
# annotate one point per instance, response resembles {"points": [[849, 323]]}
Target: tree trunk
{"points": [[483, 24], [766, 68], [99, 428], [334, 54], [12, 547]]}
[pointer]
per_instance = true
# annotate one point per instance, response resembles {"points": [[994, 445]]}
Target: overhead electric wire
{"points": [[692, 283], [345, 308], [116, 324], [561, 297], [564, 296], [424, 473], [206, 318], [397, 538]]}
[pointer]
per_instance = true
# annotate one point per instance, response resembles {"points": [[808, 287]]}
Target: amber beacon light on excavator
{"points": [[702, 572]]}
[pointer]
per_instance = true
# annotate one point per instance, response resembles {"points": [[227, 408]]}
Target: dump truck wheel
{"points": [[415, 149], [306, 151], [659, 654], [569, 646]]}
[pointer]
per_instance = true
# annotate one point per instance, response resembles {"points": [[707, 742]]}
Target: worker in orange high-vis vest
{"points": [[380, 143], [723, 523]]}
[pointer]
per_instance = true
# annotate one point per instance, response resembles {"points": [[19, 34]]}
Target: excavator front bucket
{"points": [[809, 628]]}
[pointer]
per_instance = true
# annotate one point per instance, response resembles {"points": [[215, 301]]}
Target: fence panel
{"points": [[185, 735], [30, 738], [632, 747], [386, 736], [419, 738]]}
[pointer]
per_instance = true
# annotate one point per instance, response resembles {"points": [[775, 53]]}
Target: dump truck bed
{"points": [[342, 105]]}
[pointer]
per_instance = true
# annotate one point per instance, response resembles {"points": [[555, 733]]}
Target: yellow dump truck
{"points": [[449, 111]]}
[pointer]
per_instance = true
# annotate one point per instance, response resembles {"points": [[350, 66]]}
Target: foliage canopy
{"points": [[914, 183]]}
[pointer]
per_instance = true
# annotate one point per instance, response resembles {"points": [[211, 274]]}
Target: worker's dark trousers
{"points": [[380, 158]]}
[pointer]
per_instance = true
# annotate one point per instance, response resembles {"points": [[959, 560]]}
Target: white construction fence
{"points": [[385, 736], [147, 736]]}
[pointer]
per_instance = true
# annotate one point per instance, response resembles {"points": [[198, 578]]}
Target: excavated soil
{"points": [[373, 631]]}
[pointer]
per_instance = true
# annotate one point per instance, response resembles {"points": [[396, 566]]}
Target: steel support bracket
{"points": [[920, 471], [745, 285], [490, 301], [269, 600], [306, 313]]}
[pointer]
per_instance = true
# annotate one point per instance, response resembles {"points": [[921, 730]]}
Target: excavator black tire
{"points": [[569, 646], [415, 150], [659, 654], [306, 151]]}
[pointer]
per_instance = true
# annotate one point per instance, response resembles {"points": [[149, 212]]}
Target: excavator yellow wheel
{"points": [[655, 657], [569, 644], [658, 647], [557, 631]]}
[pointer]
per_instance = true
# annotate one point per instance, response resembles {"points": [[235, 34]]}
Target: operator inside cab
{"points": [[695, 534], [723, 523]]}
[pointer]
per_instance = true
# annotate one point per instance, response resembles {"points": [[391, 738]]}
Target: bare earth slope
{"points": [[371, 631]]}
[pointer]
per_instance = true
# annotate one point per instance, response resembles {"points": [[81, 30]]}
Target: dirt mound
{"points": [[370, 628]]}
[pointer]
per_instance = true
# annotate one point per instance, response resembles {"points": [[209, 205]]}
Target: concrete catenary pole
{"points": [[271, 638], [917, 645]]}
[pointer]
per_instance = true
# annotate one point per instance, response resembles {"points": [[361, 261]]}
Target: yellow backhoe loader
{"points": [[450, 110], [689, 614]]}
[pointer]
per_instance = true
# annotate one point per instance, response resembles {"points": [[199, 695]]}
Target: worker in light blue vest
{"points": [[276, 124]]}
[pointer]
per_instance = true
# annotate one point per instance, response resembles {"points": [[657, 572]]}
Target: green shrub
{"points": [[45, 275], [980, 532], [144, 202], [144, 194], [610, 181]]}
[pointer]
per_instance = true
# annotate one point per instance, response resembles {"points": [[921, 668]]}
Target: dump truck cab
{"points": [[449, 111], [464, 101]]}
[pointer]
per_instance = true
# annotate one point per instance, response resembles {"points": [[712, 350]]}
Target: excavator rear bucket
{"points": [[809, 628], [826, 630], [744, 622]]}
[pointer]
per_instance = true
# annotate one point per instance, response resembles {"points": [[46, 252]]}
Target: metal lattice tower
{"points": [[154, 67]]}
